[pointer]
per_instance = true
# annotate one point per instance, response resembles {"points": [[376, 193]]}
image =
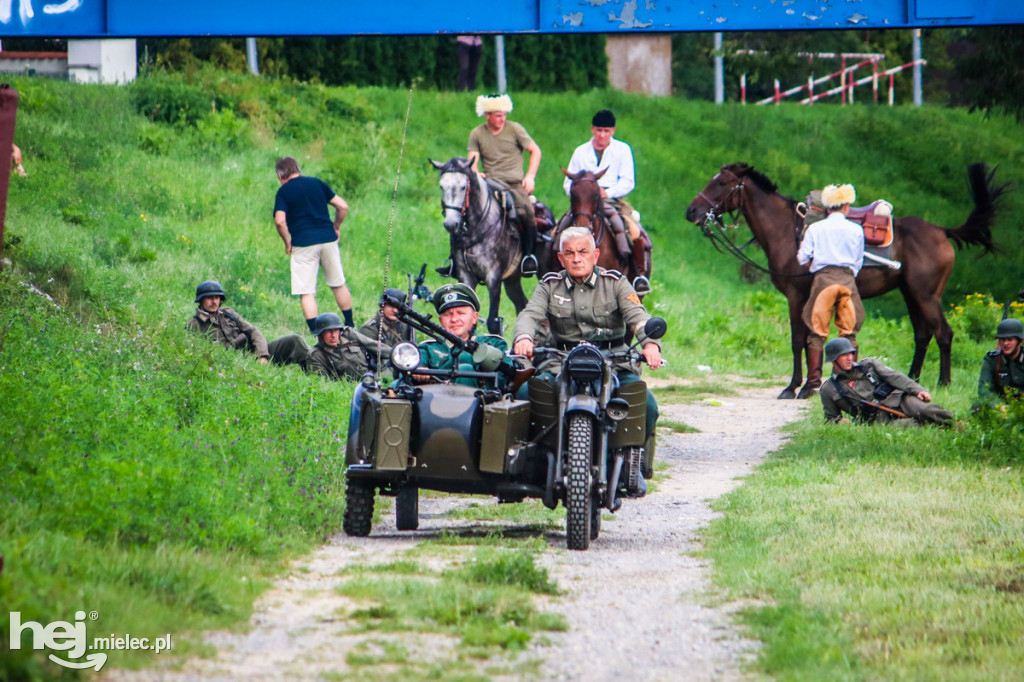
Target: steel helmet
{"points": [[210, 287], [1010, 328], [837, 347], [451, 295], [326, 322], [393, 293]]}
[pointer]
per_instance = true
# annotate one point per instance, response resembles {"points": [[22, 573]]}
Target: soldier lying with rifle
{"points": [[870, 391]]}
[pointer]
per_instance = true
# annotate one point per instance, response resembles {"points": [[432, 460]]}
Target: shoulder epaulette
{"points": [[551, 277], [614, 274], [995, 353]]}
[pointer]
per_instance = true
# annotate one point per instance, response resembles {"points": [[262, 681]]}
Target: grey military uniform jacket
{"points": [[598, 309], [347, 360], [227, 328], [393, 334], [860, 382]]}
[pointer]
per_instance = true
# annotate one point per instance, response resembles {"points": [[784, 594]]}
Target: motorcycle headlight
{"points": [[585, 363], [405, 356]]}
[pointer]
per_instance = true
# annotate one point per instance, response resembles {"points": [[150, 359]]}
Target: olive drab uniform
{"points": [[390, 333], [437, 355], [354, 356], [872, 381], [600, 310], [230, 330], [1001, 377]]}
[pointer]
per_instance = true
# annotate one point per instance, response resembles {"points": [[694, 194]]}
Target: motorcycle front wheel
{"points": [[579, 503], [358, 517]]}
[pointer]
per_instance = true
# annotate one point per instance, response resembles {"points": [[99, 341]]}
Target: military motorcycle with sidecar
{"points": [[578, 439]]}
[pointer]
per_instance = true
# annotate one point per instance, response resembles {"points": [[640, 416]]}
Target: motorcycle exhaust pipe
{"points": [[610, 501]]}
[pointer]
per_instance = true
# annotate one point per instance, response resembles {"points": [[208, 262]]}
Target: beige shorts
{"points": [[306, 263]]}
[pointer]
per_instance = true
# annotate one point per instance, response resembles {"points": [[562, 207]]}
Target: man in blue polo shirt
{"points": [[310, 237]]}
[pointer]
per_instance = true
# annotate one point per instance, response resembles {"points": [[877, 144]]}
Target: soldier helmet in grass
{"points": [[451, 295], [834, 196], [210, 287], [391, 292], [326, 322], [837, 347], [1010, 328]]}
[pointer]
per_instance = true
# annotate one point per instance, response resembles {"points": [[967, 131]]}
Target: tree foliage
{"points": [[549, 63], [991, 73]]}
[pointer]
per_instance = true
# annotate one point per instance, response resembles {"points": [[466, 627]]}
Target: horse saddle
{"points": [[876, 218], [501, 193]]}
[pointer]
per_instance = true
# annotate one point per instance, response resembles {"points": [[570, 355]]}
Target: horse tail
{"points": [[977, 230]]}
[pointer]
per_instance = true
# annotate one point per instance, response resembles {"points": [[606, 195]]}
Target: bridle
{"points": [[594, 219], [464, 208], [714, 229]]}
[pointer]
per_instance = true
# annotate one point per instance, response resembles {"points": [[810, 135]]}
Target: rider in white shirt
{"points": [[834, 248], [604, 152]]}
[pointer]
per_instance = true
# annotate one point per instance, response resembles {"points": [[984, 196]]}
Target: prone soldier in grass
{"points": [[1002, 370], [341, 352], [870, 391], [226, 327], [385, 325]]}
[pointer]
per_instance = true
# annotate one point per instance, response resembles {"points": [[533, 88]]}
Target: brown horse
{"points": [[923, 248]]}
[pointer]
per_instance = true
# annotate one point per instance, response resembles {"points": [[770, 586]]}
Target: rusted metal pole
{"points": [[8, 116]]}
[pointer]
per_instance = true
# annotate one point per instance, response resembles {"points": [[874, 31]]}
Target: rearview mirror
{"points": [[655, 328]]}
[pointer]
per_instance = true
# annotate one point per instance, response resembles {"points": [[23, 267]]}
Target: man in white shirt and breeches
{"points": [[615, 157], [834, 247]]}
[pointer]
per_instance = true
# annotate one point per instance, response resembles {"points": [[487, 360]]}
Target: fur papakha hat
{"points": [[485, 104], [834, 196]]}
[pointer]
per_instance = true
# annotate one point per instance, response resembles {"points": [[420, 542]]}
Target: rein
{"points": [[713, 228], [464, 209], [595, 219]]}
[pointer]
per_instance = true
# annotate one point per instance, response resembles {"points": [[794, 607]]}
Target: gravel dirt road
{"points": [[639, 603]]}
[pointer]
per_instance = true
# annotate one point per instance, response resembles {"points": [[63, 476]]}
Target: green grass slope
{"points": [[145, 473]]}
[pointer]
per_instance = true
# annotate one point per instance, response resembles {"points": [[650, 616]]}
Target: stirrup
{"points": [[642, 286], [528, 266], [448, 269]]}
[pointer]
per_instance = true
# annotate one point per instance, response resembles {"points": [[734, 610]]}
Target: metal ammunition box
{"points": [[384, 432], [506, 423], [629, 433]]}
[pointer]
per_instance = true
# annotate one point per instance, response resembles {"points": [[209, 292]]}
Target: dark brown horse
{"points": [[923, 248]]}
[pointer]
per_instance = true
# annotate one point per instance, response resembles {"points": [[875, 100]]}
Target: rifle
{"points": [[482, 354], [869, 403]]}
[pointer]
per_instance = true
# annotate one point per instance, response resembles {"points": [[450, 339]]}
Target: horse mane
{"points": [[456, 164], [760, 180]]}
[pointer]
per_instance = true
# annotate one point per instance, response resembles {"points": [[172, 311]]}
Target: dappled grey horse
{"points": [[485, 246]]}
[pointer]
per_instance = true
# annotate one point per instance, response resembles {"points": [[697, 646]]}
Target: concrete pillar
{"points": [[104, 60], [640, 62]]}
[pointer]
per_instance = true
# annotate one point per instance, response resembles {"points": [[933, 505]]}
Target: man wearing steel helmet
{"points": [[226, 327], [341, 352], [498, 146], [603, 152], [1002, 371], [385, 325], [458, 310], [870, 391], [834, 248]]}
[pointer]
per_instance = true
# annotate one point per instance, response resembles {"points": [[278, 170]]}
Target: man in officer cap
{"points": [[585, 302], [603, 152], [341, 352], [498, 146], [870, 391], [458, 310], [385, 325], [834, 248], [1002, 371], [226, 327]]}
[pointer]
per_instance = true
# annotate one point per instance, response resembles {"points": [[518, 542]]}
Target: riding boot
{"points": [[814, 358], [622, 244], [641, 284], [448, 269], [528, 267]]}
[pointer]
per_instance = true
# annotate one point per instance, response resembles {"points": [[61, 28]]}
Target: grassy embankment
{"points": [[158, 480]]}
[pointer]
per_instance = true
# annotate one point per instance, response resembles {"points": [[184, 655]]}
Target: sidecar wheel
{"points": [[358, 517], [579, 503], [407, 509]]}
